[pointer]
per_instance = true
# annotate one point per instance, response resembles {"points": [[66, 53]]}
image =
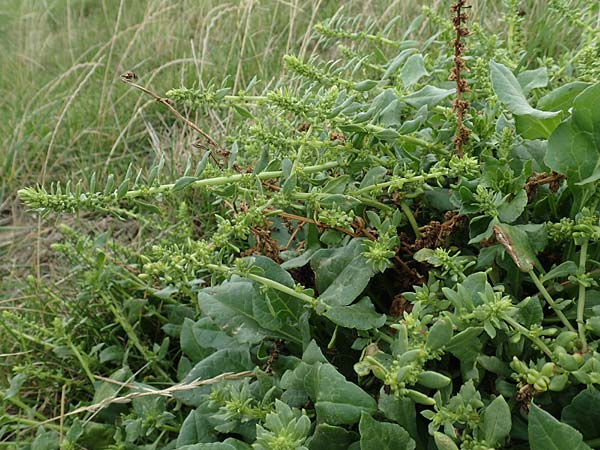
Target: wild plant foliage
{"points": [[395, 248]]}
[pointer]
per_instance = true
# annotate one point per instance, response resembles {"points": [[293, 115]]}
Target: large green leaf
{"points": [[533, 79], [429, 95], [337, 401], [547, 433], [197, 339], [375, 435], [497, 421], [574, 147], [196, 429], [329, 437], [211, 446], [413, 70], [584, 413], [509, 91], [360, 316], [222, 361], [342, 274], [249, 313]]}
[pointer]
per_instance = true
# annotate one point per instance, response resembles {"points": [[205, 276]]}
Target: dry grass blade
{"points": [[146, 392]]}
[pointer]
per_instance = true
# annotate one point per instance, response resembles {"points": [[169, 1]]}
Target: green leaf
{"points": [[182, 183], [402, 411], [241, 308], [413, 70], [342, 274], [337, 401], [226, 360], [198, 338], [497, 421], [375, 435], [440, 334], [562, 271], [429, 95], [210, 446], [574, 147], [444, 442], [584, 413], [507, 88], [547, 433], [533, 79], [365, 85], [561, 99], [531, 312], [329, 437], [530, 127], [509, 211], [195, 429], [359, 316], [433, 380]]}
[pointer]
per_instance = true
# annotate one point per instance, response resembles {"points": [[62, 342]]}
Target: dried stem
{"points": [[129, 77], [459, 106]]}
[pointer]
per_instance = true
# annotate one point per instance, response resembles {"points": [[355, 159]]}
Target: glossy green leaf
{"points": [[439, 335], [196, 429]]}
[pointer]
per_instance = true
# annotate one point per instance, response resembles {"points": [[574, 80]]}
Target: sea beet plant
{"points": [[345, 269]]}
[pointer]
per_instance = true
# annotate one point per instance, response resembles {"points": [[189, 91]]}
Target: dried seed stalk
{"points": [[459, 105]]}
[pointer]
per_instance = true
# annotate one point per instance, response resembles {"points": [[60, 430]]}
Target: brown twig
{"points": [[459, 105], [129, 77]]}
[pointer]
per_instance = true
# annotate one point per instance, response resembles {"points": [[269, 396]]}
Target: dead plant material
{"points": [[265, 245], [538, 179], [278, 347], [130, 78], [399, 306], [437, 234], [459, 105]]}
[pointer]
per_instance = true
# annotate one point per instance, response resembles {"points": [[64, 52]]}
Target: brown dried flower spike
{"points": [[459, 105]]}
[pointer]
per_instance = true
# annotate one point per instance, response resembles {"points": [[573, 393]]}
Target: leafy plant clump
{"points": [[393, 249]]}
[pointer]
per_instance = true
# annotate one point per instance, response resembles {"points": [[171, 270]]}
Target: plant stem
{"points": [[527, 333], [411, 218], [581, 298], [550, 301], [217, 181]]}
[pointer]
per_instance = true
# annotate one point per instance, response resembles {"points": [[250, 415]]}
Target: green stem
{"points": [[411, 218], [83, 362], [550, 301], [413, 179], [527, 333], [581, 298], [126, 326], [217, 181], [32, 423]]}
